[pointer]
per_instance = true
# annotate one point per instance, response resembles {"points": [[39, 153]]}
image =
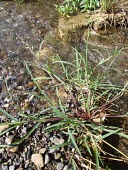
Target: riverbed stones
{"points": [[37, 159]]}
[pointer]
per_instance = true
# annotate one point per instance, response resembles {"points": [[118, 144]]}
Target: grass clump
{"points": [[70, 7], [107, 5], [79, 100], [90, 101]]}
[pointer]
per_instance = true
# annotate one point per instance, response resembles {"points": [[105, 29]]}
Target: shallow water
{"points": [[24, 25]]}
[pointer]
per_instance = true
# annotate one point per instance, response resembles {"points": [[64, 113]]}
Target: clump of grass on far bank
{"points": [[78, 103], [107, 5], [70, 7]]}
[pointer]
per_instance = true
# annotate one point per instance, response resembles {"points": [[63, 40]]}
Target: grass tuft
{"points": [[78, 103]]}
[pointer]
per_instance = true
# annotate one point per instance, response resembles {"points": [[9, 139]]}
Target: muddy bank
{"points": [[96, 21]]}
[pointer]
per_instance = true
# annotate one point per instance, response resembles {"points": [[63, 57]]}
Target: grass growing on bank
{"points": [[107, 5], [70, 7], [83, 100]]}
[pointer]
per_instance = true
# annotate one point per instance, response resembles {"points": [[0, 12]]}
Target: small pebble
{"points": [[24, 130], [47, 159], [47, 134], [12, 149], [37, 159], [9, 139], [52, 150], [60, 166], [57, 156], [42, 151], [58, 141], [6, 105], [65, 167], [4, 167], [12, 167], [10, 161], [26, 165], [1, 150], [3, 127]]}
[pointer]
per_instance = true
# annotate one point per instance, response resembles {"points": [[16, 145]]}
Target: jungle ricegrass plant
{"points": [[79, 112]]}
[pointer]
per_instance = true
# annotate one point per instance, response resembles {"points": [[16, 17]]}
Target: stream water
{"points": [[28, 22], [25, 26]]}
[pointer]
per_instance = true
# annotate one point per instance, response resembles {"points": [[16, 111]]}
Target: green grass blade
{"points": [[116, 132], [96, 153], [42, 91], [61, 145], [109, 134], [27, 134], [74, 164], [7, 114], [73, 141], [88, 147], [62, 115], [58, 125], [7, 130]]}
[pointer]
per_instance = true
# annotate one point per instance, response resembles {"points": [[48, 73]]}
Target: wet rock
{"points": [[60, 166], [3, 127], [37, 159], [47, 159]]}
